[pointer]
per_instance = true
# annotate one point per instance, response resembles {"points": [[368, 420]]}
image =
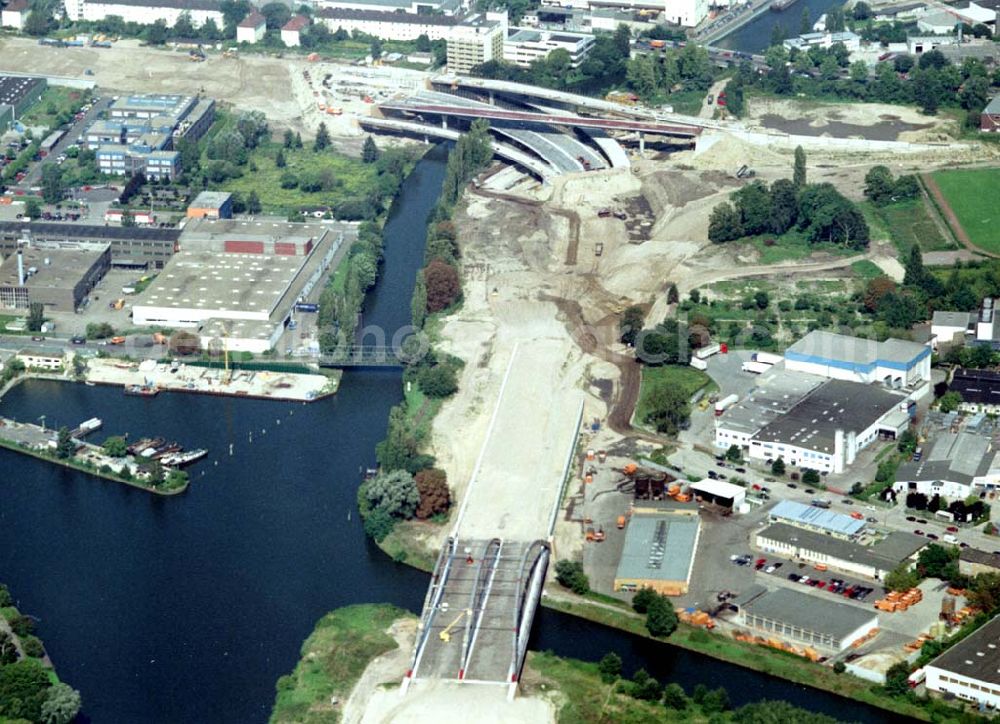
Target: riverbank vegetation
{"points": [[597, 692], [30, 690], [333, 658]]}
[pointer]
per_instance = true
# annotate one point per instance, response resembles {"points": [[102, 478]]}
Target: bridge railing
{"points": [[531, 578], [363, 356], [477, 600]]}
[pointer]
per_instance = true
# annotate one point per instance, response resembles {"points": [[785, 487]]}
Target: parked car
{"points": [[810, 491], [952, 529], [921, 521], [911, 519], [845, 501], [78, 340], [794, 577], [918, 532], [741, 470], [792, 485], [932, 536], [37, 338], [872, 520], [770, 569]]}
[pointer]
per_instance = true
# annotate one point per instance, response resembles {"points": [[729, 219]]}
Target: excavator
{"points": [[445, 635]]}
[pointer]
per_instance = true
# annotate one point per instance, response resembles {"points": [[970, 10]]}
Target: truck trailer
{"points": [[708, 351], [756, 368], [767, 358], [725, 403]]}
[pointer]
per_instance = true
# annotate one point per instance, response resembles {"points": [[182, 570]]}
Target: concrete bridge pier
{"points": [[642, 143]]}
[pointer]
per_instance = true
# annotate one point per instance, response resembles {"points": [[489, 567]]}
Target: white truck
{"points": [[699, 364], [725, 403], [756, 368], [767, 358], [707, 351]]}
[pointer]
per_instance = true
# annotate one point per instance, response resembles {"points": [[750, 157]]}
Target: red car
{"points": [[821, 584], [848, 591], [951, 529]]}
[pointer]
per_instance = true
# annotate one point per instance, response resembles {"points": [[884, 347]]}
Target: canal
{"points": [[189, 609], [755, 36]]}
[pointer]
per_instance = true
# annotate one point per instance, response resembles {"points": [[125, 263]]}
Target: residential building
{"points": [[677, 12], [409, 7], [14, 14], [291, 32], [807, 620], [59, 279], [893, 363], [132, 247], [970, 669], [476, 40], [147, 12], [388, 25], [818, 520], [252, 28], [523, 46], [849, 40], [955, 466], [972, 562], [989, 119], [980, 390], [211, 205], [49, 360], [659, 552], [837, 554]]}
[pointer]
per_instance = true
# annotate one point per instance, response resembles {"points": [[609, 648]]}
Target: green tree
{"points": [[778, 466], [369, 151], [99, 330], [716, 701], [949, 401], [805, 22], [394, 492], [810, 477], [36, 316], [879, 185], [157, 33], [418, 304], [668, 409], [674, 697], [724, 223], [673, 296], [661, 619], [62, 704], [32, 209], [799, 167], [762, 300], [253, 203], [644, 687], [642, 598], [570, 575], [610, 667], [438, 381], [288, 140], [279, 159], [734, 454], [784, 206], [23, 690], [901, 578], [128, 218], [65, 447], [53, 187], [631, 324], [38, 21], [897, 679], [753, 202], [839, 667], [115, 447], [322, 138]]}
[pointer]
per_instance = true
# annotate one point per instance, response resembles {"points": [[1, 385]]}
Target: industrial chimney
{"points": [[20, 268]]}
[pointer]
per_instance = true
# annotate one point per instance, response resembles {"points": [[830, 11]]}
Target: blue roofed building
{"points": [[894, 363], [810, 517]]}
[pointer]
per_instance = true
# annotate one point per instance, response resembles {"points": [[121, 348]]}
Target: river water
{"points": [[188, 609], [755, 36]]}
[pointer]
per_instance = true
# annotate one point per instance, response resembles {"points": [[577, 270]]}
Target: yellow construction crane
{"points": [[446, 634]]}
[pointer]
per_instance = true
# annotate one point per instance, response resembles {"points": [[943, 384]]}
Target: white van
{"points": [[949, 538]]}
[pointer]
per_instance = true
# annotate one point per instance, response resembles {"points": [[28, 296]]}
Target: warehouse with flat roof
{"points": [[798, 617], [970, 669], [59, 279], [133, 247], [895, 363], [809, 517], [659, 553], [873, 561]]}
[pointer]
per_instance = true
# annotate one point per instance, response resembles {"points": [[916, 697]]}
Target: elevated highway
{"points": [[487, 582]]}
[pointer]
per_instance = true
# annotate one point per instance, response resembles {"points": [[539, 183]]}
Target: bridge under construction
{"points": [[488, 579]]}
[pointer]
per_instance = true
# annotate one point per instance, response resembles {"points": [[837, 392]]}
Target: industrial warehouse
{"points": [[956, 465], [659, 551], [799, 617], [239, 280], [17, 95], [133, 247], [873, 561], [58, 279], [970, 669]]}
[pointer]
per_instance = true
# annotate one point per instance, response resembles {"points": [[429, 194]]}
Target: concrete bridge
{"points": [[488, 579]]}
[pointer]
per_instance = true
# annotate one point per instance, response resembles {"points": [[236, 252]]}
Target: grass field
{"points": [[866, 269], [974, 196], [333, 658], [687, 378], [794, 247], [57, 105], [351, 177], [909, 223]]}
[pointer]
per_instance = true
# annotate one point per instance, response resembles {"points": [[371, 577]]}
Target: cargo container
{"points": [[767, 358], [707, 351], [699, 364], [725, 403], [756, 368]]}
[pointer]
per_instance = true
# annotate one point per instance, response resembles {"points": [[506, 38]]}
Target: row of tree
{"points": [[819, 211]]}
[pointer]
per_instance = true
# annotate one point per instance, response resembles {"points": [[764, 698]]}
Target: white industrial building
{"points": [[147, 12], [252, 28], [523, 46], [955, 466], [894, 363], [849, 40], [679, 12], [410, 7], [811, 422], [970, 669], [239, 280], [967, 327], [817, 549], [387, 25]]}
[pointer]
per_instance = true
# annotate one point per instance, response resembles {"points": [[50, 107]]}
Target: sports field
{"points": [[974, 198]]}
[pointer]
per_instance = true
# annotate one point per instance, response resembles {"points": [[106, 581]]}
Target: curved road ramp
{"points": [[488, 579]]}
